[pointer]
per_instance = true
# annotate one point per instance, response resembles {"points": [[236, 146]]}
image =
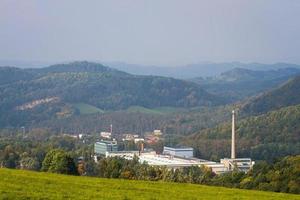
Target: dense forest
{"points": [[287, 94], [173, 122], [33, 95]]}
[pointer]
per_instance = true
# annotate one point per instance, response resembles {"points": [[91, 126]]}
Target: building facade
{"points": [[100, 148], [184, 152]]}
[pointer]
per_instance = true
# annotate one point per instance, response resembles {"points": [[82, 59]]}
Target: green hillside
{"points": [[263, 137], [34, 95], [18, 184], [286, 95], [87, 109], [158, 111]]}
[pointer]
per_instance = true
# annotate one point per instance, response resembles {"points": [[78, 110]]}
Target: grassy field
{"points": [[87, 109], [143, 110], [19, 184], [159, 110]]}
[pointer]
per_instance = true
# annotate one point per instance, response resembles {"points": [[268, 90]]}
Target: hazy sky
{"points": [[161, 32]]}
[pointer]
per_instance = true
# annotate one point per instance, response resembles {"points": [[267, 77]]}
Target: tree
{"points": [[28, 162], [58, 161], [10, 158]]}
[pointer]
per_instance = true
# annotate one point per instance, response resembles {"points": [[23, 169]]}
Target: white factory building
{"points": [[185, 152], [172, 162], [183, 157]]}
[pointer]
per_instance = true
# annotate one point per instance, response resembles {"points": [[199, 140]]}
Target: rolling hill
{"points": [[287, 94], [18, 184], [50, 92], [12, 74]]}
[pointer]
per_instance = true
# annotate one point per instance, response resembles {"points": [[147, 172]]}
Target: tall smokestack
{"points": [[233, 136]]}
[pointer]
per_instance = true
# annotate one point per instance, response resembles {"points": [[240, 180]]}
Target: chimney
{"points": [[233, 136], [142, 147]]}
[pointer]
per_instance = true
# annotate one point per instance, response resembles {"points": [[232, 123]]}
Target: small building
{"points": [[137, 140], [184, 152], [100, 148], [105, 135], [157, 133], [241, 164], [129, 137]]}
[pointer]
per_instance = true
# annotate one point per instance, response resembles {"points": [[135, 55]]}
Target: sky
{"points": [[151, 32]]}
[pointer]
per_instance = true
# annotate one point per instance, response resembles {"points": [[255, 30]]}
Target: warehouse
{"points": [[185, 152], [100, 148]]}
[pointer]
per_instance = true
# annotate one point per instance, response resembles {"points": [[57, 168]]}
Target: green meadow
{"points": [[158, 110], [20, 184], [87, 109]]}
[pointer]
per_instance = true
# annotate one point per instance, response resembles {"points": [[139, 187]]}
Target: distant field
{"points": [[87, 109], [159, 110], [18, 184]]}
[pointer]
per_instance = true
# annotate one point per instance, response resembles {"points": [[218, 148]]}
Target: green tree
{"points": [[28, 162], [58, 161], [9, 158]]}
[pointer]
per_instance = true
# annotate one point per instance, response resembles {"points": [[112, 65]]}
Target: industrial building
{"points": [[185, 152], [100, 148], [171, 162], [179, 157], [241, 164]]}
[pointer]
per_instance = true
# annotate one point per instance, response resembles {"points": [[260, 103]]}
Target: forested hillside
{"points": [[286, 95], [173, 122], [265, 137], [49, 93], [10, 75]]}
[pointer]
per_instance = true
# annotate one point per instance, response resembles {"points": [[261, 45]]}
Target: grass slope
{"points": [[87, 109], [155, 111], [18, 184]]}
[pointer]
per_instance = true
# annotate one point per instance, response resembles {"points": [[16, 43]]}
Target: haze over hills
{"points": [[240, 83], [188, 71], [205, 69]]}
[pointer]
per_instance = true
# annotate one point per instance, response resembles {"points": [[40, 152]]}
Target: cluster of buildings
{"points": [[174, 158]]}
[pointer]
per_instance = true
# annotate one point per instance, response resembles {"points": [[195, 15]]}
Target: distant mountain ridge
{"points": [[188, 71], [79, 66], [205, 69], [240, 74], [240, 83]]}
